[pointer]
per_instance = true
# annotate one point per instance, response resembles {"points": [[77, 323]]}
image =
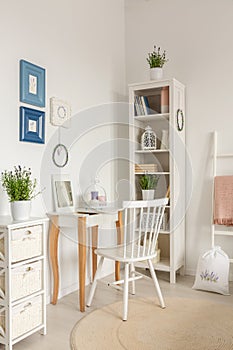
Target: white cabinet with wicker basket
{"points": [[22, 279]]}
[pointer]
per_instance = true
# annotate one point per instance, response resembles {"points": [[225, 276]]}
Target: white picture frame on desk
{"points": [[63, 193]]}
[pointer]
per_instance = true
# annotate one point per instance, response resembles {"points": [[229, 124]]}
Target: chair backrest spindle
{"points": [[133, 233], [144, 224], [140, 231], [125, 231]]}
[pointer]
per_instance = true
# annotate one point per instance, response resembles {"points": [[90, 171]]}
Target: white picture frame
{"points": [[60, 112], [63, 193]]}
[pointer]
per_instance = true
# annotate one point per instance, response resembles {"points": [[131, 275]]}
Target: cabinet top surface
{"points": [[155, 83], [7, 221]]}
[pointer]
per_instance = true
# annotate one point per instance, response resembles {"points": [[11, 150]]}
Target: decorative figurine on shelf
{"points": [[148, 139], [95, 195]]}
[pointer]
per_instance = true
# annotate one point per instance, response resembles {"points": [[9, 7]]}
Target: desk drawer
{"points": [[25, 243]]}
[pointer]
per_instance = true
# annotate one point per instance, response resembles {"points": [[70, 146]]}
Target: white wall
{"points": [[81, 46], [198, 38]]}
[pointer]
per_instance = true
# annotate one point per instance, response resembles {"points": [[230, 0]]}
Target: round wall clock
{"points": [[60, 155], [180, 119]]}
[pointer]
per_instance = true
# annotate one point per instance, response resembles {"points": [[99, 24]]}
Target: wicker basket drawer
{"points": [[25, 316], [26, 243], [25, 280]]}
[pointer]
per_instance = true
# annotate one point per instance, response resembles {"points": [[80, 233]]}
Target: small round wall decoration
{"points": [[180, 119], [60, 155], [60, 112]]}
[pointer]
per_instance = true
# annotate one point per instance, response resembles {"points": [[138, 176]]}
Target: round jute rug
{"points": [[185, 324]]}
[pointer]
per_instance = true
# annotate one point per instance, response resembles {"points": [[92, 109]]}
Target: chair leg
{"points": [[132, 274], [126, 291], [93, 286], [156, 283]]}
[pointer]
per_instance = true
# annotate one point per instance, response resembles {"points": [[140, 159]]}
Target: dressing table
{"points": [[82, 219]]}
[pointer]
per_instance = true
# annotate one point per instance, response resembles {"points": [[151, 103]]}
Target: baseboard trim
{"points": [[190, 272]]}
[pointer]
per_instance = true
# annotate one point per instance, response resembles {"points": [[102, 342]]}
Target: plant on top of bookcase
{"points": [[156, 60]]}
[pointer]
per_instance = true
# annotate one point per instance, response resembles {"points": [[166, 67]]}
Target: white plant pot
{"points": [[148, 195], [156, 73], [20, 210]]}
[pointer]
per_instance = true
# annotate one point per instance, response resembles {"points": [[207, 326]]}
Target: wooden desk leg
{"points": [[94, 231], [119, 227], [53, 247], [82, 260]]}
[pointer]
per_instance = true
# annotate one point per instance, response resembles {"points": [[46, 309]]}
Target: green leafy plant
{"points": [[148, 181], [156, 58], [18, 184]]}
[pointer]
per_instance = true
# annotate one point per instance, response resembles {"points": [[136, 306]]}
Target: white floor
{"points": [[63, 316]]}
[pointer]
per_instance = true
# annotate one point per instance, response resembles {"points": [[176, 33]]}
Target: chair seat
{"points": [[124, 254]]}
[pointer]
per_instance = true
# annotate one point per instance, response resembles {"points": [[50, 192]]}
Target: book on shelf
{"points": [[141, 105], [145, 104], [137, 106], [165, 99], [152, 168], [168, 192]]}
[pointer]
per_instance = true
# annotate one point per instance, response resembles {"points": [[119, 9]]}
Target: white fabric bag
{"points": [[213, 272]]}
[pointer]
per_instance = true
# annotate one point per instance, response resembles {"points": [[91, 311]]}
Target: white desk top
{"points": [[93, 217], [79, 212]]}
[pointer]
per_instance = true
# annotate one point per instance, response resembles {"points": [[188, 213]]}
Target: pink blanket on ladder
{"points": [[223, 200]]}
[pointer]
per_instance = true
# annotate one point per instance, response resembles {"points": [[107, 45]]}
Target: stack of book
{"points": [[141, 105], [147, 168]]}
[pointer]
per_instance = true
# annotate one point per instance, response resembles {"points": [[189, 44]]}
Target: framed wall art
{"points": [[32, 84], [32, 125], [60, 112]]}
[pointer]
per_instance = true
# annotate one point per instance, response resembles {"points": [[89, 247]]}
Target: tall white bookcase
{"points": [[161, 105], [22, 279]]}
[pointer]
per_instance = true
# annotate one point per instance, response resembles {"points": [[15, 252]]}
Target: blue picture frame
{"points": [[32, 125], [32, 84]]}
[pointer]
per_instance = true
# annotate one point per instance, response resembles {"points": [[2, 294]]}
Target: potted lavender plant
{"points": [[156, 60], [20, 189]]}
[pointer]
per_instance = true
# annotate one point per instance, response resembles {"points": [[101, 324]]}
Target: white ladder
{"points": [[214, 231]]}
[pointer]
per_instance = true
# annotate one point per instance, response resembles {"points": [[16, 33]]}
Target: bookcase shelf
{"points": [[156, 103], [149, 117], [152, 151], [153, 173]]}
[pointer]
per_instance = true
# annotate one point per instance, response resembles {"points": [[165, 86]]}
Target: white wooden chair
{"points": [[142, 221]]}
